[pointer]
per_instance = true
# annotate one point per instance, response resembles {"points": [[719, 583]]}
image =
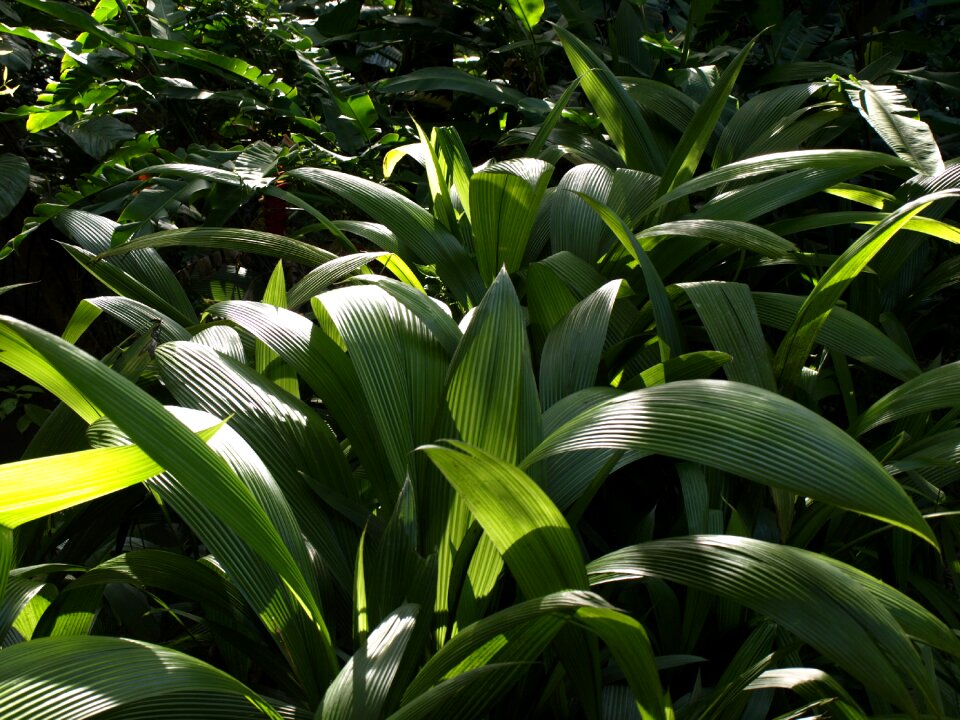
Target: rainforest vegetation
{"points": [[478, 359]]}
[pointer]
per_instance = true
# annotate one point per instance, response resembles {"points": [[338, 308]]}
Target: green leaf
{"points": [[686, 156], [730, 319], [360, 690], [749, 432], [253, 241], [98, 136], [811, 597], [668, 331], [795, 347], [267, 362], [421, 238], [933, 390], [32, 489], [448, 78], [15, 171], [617, 111], [22, 357], [491, 378], [504, 200], [529, 11], [571, 355], [734, 233], [528, 530], [630, 647], [888, 111], [843, 331], [77, 18], [97, 674], [400, 368], [852, 162], [206, 476]]}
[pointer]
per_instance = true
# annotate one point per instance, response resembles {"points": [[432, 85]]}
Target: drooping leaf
{"points": [[933, 390], [747, 431], [888, 111], [793, 350], [97, 674], [798, 589]]}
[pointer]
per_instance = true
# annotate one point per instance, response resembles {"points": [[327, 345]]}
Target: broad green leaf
{"points": [[292, 440], [16, 174], [528, 530], [668, 332], [31, 489], [491, 377], [193, 171], [448, 78], [573, 226], [267, 362], [421, 238], [933, 390], [125, 284], [749, 432], [746, 236], [504, 200], [888, 111], [801, 591], [253, 241], [400, 368], [132, 313], [730, 319], [843, 332], [546, 127], [793, 350], [302, 641], [854, 162], [22, 357], [322, 277], [83, 21], [474, 640], [759, 117], [686, 156], [206, 475], [438, 181], [360, 690], [571, 354], [98, 136], [97, 674], [432, 313], [631, 648], [326, 368], [617, 111], [529, 11], [145, 267], [531, 535]]}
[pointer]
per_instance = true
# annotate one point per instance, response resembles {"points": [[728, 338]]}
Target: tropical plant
{"points": [[656, 418]]}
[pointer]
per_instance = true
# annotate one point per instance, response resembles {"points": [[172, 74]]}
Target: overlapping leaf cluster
{"points": [[653, 414]]}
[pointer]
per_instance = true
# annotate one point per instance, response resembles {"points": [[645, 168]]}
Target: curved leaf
{"points": [[888, 111], [933, 390], [800, 590], [747, 431], [96, 674]]}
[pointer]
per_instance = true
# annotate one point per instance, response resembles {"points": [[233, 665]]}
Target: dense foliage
{"points": [[479, 359]]}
